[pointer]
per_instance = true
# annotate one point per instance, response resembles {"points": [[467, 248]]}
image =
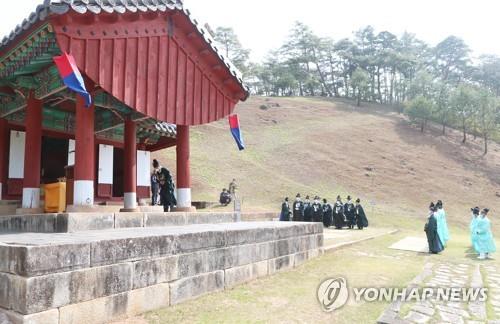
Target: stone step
{"points": [[10, 203], [59, 277], [9, 209]]}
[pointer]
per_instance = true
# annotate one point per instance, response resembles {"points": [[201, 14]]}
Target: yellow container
{"points": [[55, 197]]}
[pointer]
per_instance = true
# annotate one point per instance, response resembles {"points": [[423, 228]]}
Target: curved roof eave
{"points": [[60, 7]]}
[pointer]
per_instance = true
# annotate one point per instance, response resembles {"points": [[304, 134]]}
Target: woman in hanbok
{"points": [[472, 226], [442, 225], [485, 243], [435, 245]]}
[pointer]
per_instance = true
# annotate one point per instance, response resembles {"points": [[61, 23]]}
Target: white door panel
{"points": [[16, 154], [105, 164], [143, 168], [71, 152]]}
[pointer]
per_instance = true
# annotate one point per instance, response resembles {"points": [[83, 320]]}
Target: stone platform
{"points": [[75, 222], [100, 276]]}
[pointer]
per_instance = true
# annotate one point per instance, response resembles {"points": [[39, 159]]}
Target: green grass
{"points": [[291, 296]]}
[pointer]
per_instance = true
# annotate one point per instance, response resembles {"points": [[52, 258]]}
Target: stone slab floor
{"points": [[333, 236]]}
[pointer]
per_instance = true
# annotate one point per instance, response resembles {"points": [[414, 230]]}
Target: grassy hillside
{"points": [[329, 147]]}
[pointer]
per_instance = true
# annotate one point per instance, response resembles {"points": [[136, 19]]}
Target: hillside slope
{"points": [[329, 147]]}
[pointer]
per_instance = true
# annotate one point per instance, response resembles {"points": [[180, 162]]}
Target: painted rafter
{"points": [[31, 54]]}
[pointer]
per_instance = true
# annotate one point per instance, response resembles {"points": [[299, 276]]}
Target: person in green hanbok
{"points": [[431, 231], [472, 226], [443, 232], [485, 243]]}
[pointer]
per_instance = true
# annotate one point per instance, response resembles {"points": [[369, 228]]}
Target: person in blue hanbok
{"points": [[435, 245], [472, 226], [485, 243], [442, 225]]}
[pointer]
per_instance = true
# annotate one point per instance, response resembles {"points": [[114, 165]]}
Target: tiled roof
{"points": [[167, 129], [60, 7], [158, 128]]}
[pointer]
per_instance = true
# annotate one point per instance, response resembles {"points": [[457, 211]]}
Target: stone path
{"points": [[448, 275], [493, 277]]}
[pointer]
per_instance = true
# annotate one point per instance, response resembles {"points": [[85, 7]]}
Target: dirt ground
{"points": [[329, 147]]}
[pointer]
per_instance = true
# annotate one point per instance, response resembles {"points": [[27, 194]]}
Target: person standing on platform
{"points": [[298, 209], [435, 245], [361, 220], [233, 187], [327, 214], [338, 214], [317, 210], [350, 213], [472, 226], [155, 188], [285, 211], [444, 234], [308, 210], [485, 243], [167, 187]]}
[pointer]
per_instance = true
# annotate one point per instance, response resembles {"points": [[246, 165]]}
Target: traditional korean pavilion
{"points": [[153, 72]]}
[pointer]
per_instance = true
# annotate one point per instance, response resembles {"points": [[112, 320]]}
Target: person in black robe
{"points": [[327, 214], [338, 214], [285, 211], [298, 209], [167, 187], [350, 213], [435, 245], [225, 197], [308, 210], [317, 213], [361, 220]]}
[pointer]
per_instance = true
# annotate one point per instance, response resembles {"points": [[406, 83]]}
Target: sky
{"points": [[263, 25]]}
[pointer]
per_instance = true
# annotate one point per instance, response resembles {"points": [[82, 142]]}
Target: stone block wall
{"points": [[106, 275]]}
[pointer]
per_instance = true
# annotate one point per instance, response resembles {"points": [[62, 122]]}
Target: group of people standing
{"points": [[339, 214], [480, 233], [436, 228]]}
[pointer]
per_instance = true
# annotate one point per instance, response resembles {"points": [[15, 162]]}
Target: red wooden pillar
{"points": [[130, 165], [84, 170], [33, 153], [4, 154], [183, 169]]}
